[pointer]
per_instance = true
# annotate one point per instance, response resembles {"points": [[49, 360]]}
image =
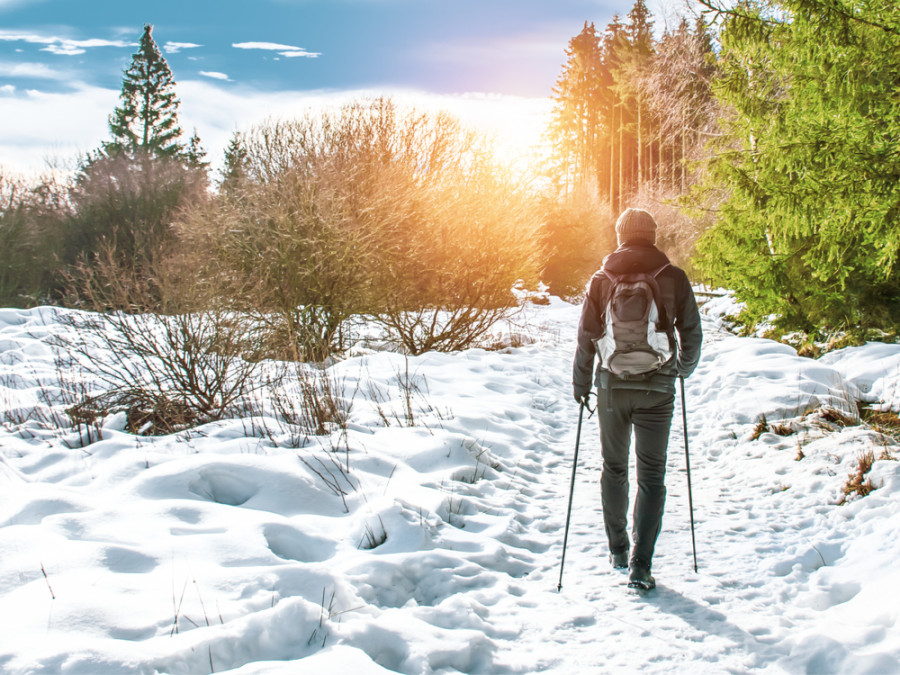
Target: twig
{"points": [[47, 579]]}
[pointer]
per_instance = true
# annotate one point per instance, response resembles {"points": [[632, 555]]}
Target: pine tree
{"points": [[575, 128], [147, 117], [633, 77], [195, 154], [615, 44], [234, 173], [810, 228]]}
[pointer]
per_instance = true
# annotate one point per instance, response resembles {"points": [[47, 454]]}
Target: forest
{"points": [[763, 135]]}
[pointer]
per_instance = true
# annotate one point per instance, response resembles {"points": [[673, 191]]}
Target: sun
{"points": [[514, 125]]}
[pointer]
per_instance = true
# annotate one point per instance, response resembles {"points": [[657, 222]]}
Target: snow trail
{"points": [[766, 531]]}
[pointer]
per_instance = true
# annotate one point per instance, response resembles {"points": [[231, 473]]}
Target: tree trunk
{"points": [[621, 190], [640, 149], [612, 159]]}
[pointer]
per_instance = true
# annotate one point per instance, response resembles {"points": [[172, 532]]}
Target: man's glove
{"points": [[581, 394]]}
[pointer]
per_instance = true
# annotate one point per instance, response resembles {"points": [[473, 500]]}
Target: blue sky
{"points": [[61, 61]]}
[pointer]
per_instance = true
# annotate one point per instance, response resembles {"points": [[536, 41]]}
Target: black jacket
{"points": [[638, 256]]}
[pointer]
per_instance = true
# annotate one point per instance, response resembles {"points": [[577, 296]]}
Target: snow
{"points": [[426, 537]]}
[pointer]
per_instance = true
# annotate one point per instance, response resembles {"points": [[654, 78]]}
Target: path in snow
{"points": [[760, 597], [596, 622]]}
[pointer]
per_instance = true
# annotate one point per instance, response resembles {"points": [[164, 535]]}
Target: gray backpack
{"points": [[638, 337]]}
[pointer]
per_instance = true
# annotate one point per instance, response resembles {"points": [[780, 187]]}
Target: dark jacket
{"points": [[677, 296]]}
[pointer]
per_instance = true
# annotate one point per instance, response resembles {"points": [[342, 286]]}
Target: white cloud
{"points": [[34, 130], [61, 45], [284, 50], [7, 89], [300, 52], [175, 47], [32, 70], [214, 75]]}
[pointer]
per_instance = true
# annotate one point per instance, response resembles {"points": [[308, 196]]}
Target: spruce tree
{"points": [[195, 154], [234, 172], [125, 195], [810, 227], [147, 116]]}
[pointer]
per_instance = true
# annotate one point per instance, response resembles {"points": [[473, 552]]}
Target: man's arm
{"points": [[688, 327], [589, 328]]}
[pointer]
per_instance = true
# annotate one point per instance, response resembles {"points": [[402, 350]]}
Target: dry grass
{"points": [[857, 482], [762, 427]]}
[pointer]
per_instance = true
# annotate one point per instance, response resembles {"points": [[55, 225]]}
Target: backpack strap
{"points": [[606, 287]]}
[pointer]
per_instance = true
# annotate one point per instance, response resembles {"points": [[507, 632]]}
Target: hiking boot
{"points": [[639, 576], [619, 561]]}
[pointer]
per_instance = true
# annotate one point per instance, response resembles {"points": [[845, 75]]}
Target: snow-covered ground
{"points": [[427, 536]]}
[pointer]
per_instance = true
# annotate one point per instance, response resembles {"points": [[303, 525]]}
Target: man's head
{"points": [[635, 224]]}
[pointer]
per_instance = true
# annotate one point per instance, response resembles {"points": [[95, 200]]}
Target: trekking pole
{"points": [[562, 563], [687, 463]]}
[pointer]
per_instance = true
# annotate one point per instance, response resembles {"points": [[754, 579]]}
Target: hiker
{"points": [[644, 401]]}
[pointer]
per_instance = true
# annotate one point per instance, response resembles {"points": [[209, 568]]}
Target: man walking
{"points": [[643, 402]]}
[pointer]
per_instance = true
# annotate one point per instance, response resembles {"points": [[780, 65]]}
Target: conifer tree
{"points": [[615, 44], [810, 229], [235, 170], [575, 128], [125, 195], [147, 116]]}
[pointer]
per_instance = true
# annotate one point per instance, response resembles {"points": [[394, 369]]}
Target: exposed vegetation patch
{"points": [[858, 483]]}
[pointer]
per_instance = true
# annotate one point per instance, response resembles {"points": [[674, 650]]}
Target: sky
{"points": [[491, 62]]}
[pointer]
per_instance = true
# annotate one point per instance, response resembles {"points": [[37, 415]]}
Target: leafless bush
{"points": [[569, 223], [171, 369], [372, 211], [312, 400], [126, 203], [168, 372], [449, 278]]}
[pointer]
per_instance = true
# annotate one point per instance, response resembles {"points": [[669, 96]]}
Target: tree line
{"points": [[395, 215], [762, 134], [634, 109], [766, 133]]}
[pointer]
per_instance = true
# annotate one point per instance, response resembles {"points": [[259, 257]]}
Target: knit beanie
{"points": [[635, 224]]}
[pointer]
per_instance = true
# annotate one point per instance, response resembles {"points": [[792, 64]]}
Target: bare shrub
{"points": [[170, 369], [126, 203], [450, 280], [368, 210], [311, 399]]}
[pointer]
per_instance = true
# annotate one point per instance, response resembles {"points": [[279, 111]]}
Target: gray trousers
{"points": [[649, 413]]}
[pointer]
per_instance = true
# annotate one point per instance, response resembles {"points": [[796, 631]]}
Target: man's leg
{"points": [[615, 437], [652, 419]]}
